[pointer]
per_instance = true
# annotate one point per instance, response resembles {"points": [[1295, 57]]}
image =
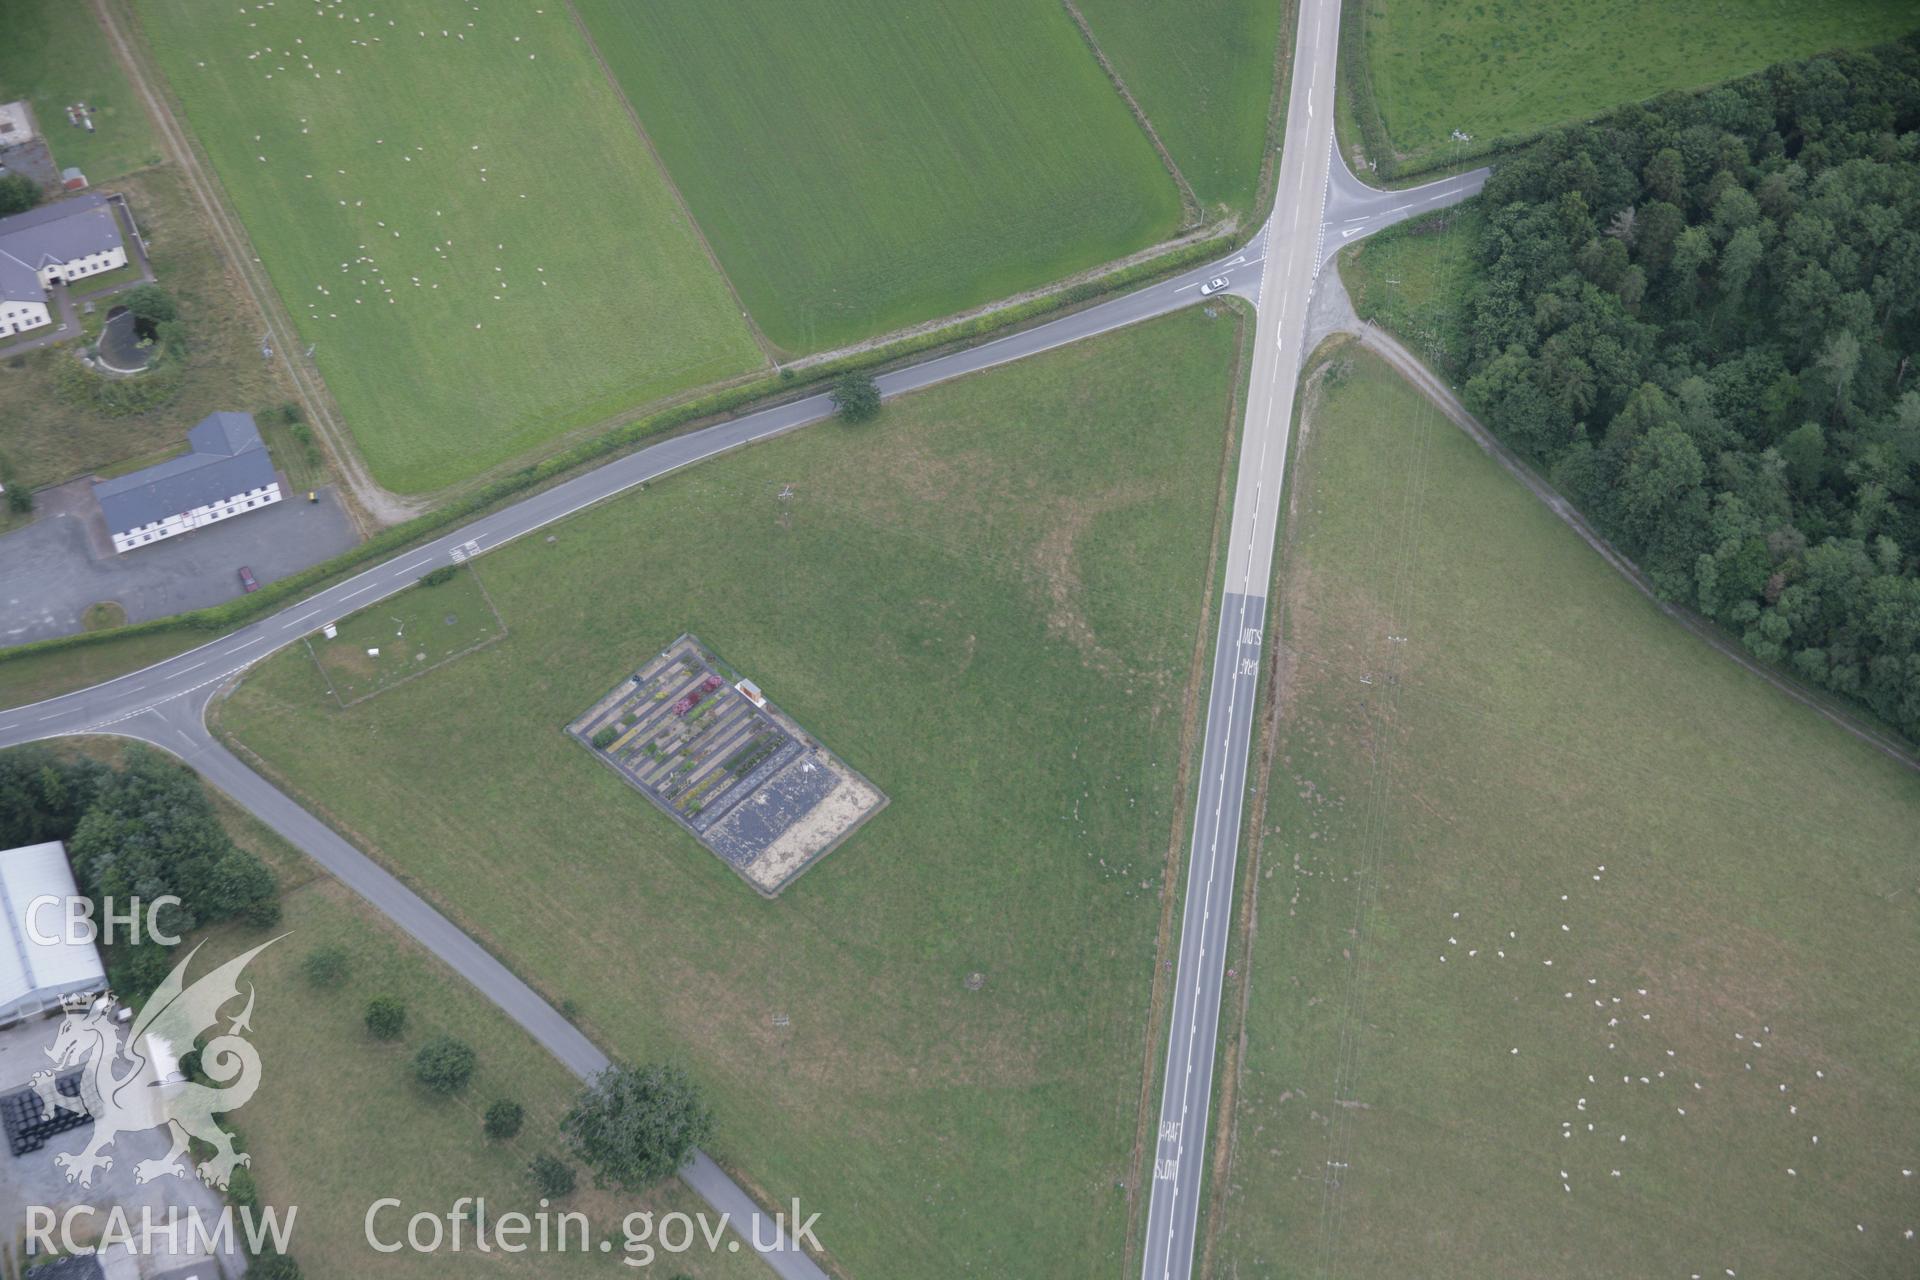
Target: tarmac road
{"points": [[1355, 210], [165, 704], [116, 703], [1295, 249], [1318, 206]]}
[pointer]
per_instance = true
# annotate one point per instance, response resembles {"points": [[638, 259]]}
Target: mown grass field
{"points": [[1496, 68], [339, 1122], [47, 438], [1572, 937], [1204, 74], [459, 216], [987, 601], [860, 166], [53, 54]]}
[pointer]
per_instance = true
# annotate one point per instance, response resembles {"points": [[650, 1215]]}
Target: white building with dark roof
{"points": [[23, 299], [56, 243], [226, 472], [36, 973]]}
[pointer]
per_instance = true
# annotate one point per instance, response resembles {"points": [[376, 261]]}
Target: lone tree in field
{"points": [[504, 1119], [552, 1176], [444, 1064], [386, 1017], [634, 1126], [856, 396]]}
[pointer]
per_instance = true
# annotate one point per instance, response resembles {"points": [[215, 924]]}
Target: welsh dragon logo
{"points": [[124, 1088]]}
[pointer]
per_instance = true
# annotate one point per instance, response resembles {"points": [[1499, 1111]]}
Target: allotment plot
{"points": [[721, 760]]}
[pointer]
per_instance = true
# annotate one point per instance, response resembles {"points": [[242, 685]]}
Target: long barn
{"points": [[39, 964]]}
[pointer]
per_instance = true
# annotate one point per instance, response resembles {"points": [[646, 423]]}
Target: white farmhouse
{"points": [[23, 301], [225, 473], [54, 244]]}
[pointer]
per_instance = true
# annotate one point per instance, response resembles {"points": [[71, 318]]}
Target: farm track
{"points": [[369, 503]]}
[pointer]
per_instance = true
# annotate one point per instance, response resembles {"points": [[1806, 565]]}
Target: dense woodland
{"points": [[1701, 316], [141, 831]]}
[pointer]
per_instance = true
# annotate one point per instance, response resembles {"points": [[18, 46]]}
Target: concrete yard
{"points": [[33, 1180], [709, 749], [52, 570]]}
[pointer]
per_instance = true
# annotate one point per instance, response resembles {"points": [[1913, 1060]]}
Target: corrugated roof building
{"points": [[35, 975]]}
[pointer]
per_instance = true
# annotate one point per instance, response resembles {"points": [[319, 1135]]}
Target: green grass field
{"points": [[53, 54], [1503, 68], [987, 601], [1572, 936], [860, 166], [338, 1121], [1204, 74], [464, 224]]}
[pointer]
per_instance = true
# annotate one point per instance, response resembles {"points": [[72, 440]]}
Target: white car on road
{"points": [[1212, 286]]}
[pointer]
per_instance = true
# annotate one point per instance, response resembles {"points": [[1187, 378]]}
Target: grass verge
{"points": [[31, 677]]}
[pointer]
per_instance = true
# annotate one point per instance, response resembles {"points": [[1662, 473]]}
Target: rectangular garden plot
{"points": [[725, 763]]}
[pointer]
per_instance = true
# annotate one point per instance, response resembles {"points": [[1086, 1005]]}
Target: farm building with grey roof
{"points": [[54, 244], [225, 472]]}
